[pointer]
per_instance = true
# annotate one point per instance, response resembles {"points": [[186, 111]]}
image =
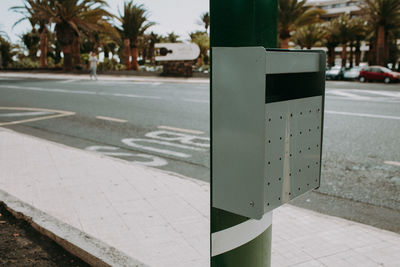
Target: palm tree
{"points": [[293, 14], [331, 39], [308, 36], [31, 41], [153, 38], [357, 34], [203, 41], [6, 53], [31, 11], [74, 18], [344, 35], [171, 37], [205, 20], [134, 22], [383, 16]]}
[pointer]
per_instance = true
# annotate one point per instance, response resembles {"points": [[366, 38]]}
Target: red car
{"points": [[378, 73]]}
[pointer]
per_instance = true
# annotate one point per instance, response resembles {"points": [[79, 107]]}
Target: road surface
{"points": [[166, 125]]}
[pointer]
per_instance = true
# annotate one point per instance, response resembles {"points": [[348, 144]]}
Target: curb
{"points": [[78, 243], [105, 77]]}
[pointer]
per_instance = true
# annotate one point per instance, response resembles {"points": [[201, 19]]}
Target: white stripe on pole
{"points": [[238, 235]]}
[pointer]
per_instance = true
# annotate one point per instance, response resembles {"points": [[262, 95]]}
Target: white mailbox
{"points": [[267, 121]]}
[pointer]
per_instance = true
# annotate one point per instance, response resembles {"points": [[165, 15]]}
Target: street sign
{"points": [[176, 51], [267, 123]]}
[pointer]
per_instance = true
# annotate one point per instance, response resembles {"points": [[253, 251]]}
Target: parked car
{"points": [[334, 73], [352, 74], [378, 73]]}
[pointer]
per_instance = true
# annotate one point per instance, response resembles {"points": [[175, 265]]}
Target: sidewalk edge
{"points": [[78, 243]]}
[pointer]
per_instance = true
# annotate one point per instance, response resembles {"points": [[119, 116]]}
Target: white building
{"points": [[336, 8]]}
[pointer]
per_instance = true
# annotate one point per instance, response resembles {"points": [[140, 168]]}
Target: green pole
{"points": [[241, 23]]}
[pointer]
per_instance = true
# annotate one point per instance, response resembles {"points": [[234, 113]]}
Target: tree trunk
{"points": [[43, 48], [285, 43], [76, 52], [331, 56], [380, 46], [344, 54], [134, 63], [67, 51], [387, 50], [372, 52], [106, 52], [358, 53], [127, 53], [151, 53], [351, 54]]}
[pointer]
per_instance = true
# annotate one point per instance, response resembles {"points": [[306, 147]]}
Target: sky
{"points": [[180, 16]]}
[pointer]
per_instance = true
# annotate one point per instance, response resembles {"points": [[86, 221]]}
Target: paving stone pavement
{"points": [[161, 218]]}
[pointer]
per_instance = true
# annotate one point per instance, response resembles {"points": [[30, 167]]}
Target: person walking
{"points": [[93, 61]]}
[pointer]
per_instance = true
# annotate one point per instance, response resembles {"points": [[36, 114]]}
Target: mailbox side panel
{"points": [[238, 130]]}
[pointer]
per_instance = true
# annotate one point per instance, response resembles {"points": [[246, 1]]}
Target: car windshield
{"points": [[355, 69], [386, 69]]}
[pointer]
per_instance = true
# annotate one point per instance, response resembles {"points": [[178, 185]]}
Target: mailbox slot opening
{"points": [[289, 86]]}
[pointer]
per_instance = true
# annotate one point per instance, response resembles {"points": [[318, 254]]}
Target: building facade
{"points": [[336, 8]]}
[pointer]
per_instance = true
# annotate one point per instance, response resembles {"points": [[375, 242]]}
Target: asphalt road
{"points": [[166, 125]]}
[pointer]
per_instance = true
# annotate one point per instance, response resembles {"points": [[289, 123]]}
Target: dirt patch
{"points": [[21, 245]]}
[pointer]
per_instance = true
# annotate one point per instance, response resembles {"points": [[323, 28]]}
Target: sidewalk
{"points": [[101, 77], [128, 215]]}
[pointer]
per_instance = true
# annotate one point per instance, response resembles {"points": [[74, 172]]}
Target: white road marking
{"points": [[133, 143], [110, 119], [362, 115], [347, 94], [21, 114], [81, 92], [363, 100], [185, 139], [196, 101], [68, 81], [155, 161], [384, 93], [60, 114], [180, 129], [394, 163]]}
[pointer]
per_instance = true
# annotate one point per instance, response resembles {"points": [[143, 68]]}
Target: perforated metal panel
{"points": [[267, 111], [292, 149]]}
